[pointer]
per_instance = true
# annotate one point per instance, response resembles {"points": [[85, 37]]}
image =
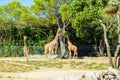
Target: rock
{"points": [[90, 76], [110, 74]]}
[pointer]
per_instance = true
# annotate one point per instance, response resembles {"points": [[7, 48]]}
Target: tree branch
{"points": [[110, 25], [65, 25], [107, 27], [101, 23]]}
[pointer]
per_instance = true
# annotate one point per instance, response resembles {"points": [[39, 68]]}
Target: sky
{"points": [[23, 2]]}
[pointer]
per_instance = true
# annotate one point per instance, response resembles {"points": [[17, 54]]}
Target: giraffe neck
{"points": [[69, 43], [56, 36], [68, 40], [25, 44]]}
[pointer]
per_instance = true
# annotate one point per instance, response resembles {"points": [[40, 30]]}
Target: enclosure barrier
{"points": [[83, 50]]}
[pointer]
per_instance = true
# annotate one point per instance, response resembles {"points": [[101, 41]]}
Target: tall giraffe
{"points": [[52, 46], [26, 48], [71, 48]]}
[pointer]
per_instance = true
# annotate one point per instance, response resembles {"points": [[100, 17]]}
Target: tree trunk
{"points": [[105, 29], [95, 47], [61, 38], [62, 42], [118, 46], [62, 46], [108, 48], [101, 49], [116, 55]]}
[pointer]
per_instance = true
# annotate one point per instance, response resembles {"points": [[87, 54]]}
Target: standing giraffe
{"points": [[71, 48], [52, 46], [26, 48], [52, 49]]}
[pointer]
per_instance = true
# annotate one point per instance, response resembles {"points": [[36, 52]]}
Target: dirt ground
{"points": [[45, 73], [39, 75]]}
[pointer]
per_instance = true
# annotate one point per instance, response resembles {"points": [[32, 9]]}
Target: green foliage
{"points": [[39, 23], [64, 12], [114, 2], [64, 33], [40, 43], [85, 17]]}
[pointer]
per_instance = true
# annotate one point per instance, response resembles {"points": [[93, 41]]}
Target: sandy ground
{"points": [[43, 74], [40, 75]]}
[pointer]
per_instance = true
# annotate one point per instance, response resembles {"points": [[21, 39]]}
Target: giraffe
{"points": [[71, 48], [52, 46], [26, 48], [52, 49]]}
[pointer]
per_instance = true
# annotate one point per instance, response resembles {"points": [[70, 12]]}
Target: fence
{"points": [[18, 50], [83, 50], [89, 50]]}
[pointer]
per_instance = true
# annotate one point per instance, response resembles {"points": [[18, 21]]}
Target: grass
{"points": [[1, 76], [23, 66]]}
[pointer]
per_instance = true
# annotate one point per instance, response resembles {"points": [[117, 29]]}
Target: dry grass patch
{"points": [[23, 66]]}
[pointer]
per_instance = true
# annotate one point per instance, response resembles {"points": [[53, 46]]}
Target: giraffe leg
{"points": [[50, 52], [46, 50], [55, 50], [76, 54], [70, 54], [27, 57], [24, 54]]}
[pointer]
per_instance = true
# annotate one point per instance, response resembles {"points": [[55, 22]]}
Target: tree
{"points": [[111, 9], [50, 9], [16, 21], [84, 17], [106, 29]]}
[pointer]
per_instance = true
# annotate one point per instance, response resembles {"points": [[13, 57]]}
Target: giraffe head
{"points": [[25, 37], [59, 31]]}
